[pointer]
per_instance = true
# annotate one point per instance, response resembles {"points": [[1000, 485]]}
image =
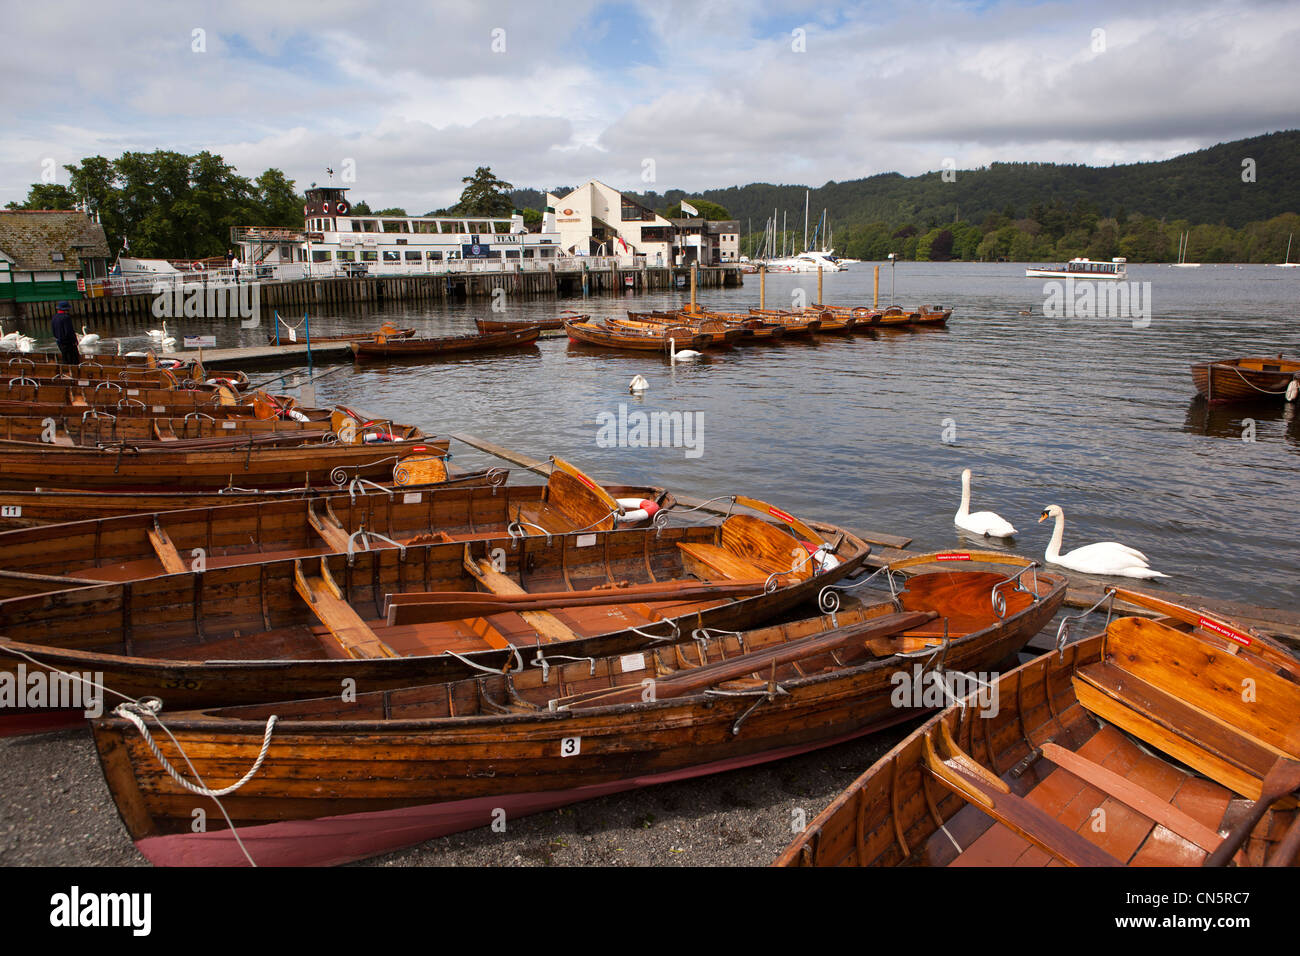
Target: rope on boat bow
{"points": [[136, 711]]}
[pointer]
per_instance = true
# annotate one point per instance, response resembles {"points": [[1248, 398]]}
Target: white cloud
{"points": [[712, 92]]}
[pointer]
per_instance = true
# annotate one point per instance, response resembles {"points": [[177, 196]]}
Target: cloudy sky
{"points": [[659, 95]]}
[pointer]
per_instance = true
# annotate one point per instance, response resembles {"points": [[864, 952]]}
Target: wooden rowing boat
{"points": [[720, 334], [385, 349], [755, 330], [393, 617], [341, 781], [115, 397], [616, 337], [387, 329], [88, 373], [517, 325], [90, 428], [1139, 746], [1247, 379], [223, 534], [126, 466], [33, 509]]}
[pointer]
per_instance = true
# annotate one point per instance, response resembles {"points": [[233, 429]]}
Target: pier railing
{"points": [[298, 271]]}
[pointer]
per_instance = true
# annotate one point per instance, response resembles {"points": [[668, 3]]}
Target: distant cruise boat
{"points": [[1082, 269]]}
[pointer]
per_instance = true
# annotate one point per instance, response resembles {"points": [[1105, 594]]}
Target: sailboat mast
{"points": [[807, 193]]}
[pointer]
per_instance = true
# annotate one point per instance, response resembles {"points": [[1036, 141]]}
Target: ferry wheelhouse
{"points": [[1082, 269], [337, 240]]}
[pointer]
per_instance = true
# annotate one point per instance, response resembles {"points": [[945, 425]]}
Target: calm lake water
{"points": [[1092, 414]]}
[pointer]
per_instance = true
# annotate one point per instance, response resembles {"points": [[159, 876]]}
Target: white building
{"points": [[596, 219]]}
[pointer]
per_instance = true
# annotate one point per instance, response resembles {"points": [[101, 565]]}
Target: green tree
{"points": [[46, 196], [707, 210], [280, 204], [485, 195]]}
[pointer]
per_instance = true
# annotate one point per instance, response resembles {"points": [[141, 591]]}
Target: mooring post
{"points": [[762, 288], [819, 285], [875, 291], [694, 269]]}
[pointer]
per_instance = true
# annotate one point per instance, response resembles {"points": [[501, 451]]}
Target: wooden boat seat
{"points": [[163, 430], [977, 785], [548, 626], [718, 562], [1224, 753], [1204, 721], [328, 527], [1132, 794], [166, 551], [345, 625]]}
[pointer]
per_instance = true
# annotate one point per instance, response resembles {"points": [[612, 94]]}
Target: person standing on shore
{"points": [[65, 334]]}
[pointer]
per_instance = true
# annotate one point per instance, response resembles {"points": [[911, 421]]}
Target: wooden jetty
{"points": [[335, 291]]}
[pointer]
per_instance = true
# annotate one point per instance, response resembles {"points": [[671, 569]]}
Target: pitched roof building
{"points": [[43, 252]]}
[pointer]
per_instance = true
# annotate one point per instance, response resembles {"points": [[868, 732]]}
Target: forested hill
{"points": [[1201, 187]]}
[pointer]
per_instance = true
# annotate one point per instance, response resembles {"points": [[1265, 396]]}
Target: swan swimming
{"points": [[1105, 557], [158, 333], [638, 384], [981, 522], [685, 355], [87, 338]]}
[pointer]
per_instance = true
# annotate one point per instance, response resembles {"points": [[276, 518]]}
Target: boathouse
{"points": [[43, 254], [598, 220]]}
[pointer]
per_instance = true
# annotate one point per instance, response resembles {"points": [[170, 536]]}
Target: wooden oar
{"points": [[1234, 635], [1288, 848], [430, 606], [1281, 779], [695, 679]]}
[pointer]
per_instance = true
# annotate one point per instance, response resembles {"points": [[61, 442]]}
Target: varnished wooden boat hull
{"points": [[27, 465], [408, 778], [423, 348], [243, 634], [125, 548], [33, 509], [518, 325], [1244, 380], [899, 813], [391, 333], [591, 333]]}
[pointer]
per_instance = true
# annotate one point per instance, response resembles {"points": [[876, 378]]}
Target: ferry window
{"points": [[369, 255], [369, 225], [320, 255], [422, 226], [502, 228], [412, 255], [512, 253], [481, 228], [435, 256], [395, 226], [392, 255], [346, 255], [401, 242]]}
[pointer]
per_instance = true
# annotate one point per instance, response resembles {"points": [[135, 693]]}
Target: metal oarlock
{"points": [[999, 599], [516, 531], [1063, 632], [660, 519], [502, 671], [106, 384], [357, 485], [769, 693], [671, 622], [828, 599], [365, 537], [22, 380], [544, 662], [496, 477]]}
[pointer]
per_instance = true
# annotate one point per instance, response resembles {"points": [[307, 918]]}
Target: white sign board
{"points": [[200, 341]]}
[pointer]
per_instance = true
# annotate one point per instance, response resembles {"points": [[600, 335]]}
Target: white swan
{"points": [[87, 338], [981, 522], [638, 384], [158, 333], [8, 337], [685, 355], [1105, 557]]}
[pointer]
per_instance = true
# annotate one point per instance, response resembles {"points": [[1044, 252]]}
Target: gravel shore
{"points": [[56, 811]]}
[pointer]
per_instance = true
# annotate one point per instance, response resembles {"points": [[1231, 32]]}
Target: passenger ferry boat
{"points": [[1082, 269], [337, 239]]}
